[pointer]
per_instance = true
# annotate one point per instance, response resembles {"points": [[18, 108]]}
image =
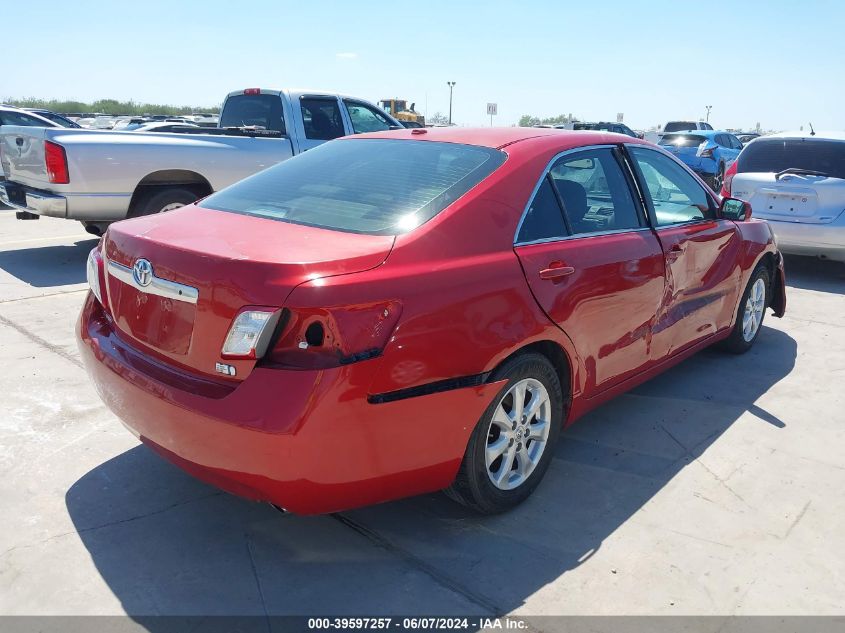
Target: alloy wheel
{"points": [[755, 304], [518, 434]]}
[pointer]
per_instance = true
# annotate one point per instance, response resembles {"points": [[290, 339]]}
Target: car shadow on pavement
{"points": [[167, 544], [812, 273], [47, 266]]}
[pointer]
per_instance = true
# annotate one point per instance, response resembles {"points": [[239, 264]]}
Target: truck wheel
{"points": [[512, 444], [162, 200]]}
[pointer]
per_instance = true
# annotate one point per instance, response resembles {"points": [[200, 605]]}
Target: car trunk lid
{"points": [[231, 261], [791, 197]]}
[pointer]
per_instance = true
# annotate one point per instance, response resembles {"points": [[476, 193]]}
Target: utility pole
{"points": [[451, 85], [708, 113]]}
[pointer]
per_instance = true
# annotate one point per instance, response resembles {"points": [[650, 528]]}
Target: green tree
{"points": [[106, 106]]}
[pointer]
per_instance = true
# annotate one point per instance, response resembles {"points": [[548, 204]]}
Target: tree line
{"points": [[108, 106], [526, 120]]}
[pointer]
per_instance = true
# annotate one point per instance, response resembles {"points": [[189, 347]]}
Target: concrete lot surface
{"points": [[717, 488]]}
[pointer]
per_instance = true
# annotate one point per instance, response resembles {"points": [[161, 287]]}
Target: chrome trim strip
{"points": [[579, 236], [158, 286]]}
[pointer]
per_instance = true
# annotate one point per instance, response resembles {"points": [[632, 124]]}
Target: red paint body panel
{"points": [[460, 300]]}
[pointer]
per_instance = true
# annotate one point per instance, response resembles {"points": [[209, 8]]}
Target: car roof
{"points": [[699, 132], [499, 137], [825, 135]]}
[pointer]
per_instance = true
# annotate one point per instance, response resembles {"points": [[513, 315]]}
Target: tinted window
{"points": [[365, 118], [543, 220], [253, 110], [706, 126], [378, 186], [680, 126], [735, 142], [321, 118], [675, 194], [595, 194], [8, 117], [683, 140], [777, 154]]}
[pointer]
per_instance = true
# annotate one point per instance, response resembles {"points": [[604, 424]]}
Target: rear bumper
{"points": [[819, 240], [307, 441], [32, 200]]}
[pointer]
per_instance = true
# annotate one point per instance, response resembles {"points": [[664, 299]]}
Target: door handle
{"points": [[556, 270], [675, 252]]}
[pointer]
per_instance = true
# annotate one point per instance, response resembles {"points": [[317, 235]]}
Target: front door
{"points": [[701, 252], [593, 264]]}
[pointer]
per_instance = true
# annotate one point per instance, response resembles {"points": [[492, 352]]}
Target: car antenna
{"points": [[812, 131]]}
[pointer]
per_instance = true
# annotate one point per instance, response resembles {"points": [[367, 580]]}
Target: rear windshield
{"points": [[375, 186], [776, 154], [253, 110], [682, 140], [679, 126]]}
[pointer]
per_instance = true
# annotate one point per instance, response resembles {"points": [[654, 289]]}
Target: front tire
{"points": [[752, 309], [511, 446]]}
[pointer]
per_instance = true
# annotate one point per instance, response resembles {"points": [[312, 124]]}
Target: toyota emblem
{"points": [[142, 273]]}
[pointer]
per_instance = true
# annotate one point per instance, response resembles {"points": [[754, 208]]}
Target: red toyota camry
{"points": [[418, 310]]}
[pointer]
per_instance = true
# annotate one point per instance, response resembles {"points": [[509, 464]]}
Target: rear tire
{"points": [[162, 200], [511, 446], [749, 317]]}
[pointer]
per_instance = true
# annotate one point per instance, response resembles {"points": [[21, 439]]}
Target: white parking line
{"points": [[47, 239]]}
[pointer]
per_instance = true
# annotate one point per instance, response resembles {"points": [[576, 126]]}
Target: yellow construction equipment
{"points": [[398, 109]]}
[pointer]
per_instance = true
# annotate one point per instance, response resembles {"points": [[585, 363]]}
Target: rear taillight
{"points": [[252, 91], [95, 272], [707, 153], [56, 161], [318, 338], [728, 180], [250, 333]]}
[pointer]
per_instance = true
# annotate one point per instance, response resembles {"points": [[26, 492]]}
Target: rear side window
{"points": [[776, 154], [596, 197], [682, 140], [321, 118], [375, 186], [259, 110], [543, 219]]}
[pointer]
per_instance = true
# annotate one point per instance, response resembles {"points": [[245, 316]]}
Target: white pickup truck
{"points": [[98, 176]]}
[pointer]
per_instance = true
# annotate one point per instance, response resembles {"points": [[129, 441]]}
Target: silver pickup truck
{"points": [[98, 177]]}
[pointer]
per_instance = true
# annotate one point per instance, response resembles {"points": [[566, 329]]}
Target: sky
{"points": [[777, 63]]}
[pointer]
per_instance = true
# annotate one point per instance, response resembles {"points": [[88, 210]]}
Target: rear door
{"points": [[596, 268], [700, 251]]}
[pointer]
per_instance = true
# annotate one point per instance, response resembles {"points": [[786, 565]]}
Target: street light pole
{"points": [[451, 85], [708, 113]]}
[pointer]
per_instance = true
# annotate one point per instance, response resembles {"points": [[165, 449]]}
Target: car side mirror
{"points": [[735, 209]]}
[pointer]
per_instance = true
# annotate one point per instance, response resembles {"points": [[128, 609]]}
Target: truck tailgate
{"points": [[22, 154]]}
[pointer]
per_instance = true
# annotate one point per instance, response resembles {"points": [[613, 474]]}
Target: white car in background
{"points": [[795, 181]]}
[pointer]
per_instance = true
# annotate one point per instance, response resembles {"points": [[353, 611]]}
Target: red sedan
{"points": [[418, 310]]}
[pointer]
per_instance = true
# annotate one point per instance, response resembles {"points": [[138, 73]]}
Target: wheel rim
{"points": [[717, 180], [518, 434], [171, 207], [754, 307]]}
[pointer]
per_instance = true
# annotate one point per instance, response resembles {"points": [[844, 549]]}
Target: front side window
{"points": [[321, 118], [674, 192], [366, 119], [374, 186], [595, 194]]}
